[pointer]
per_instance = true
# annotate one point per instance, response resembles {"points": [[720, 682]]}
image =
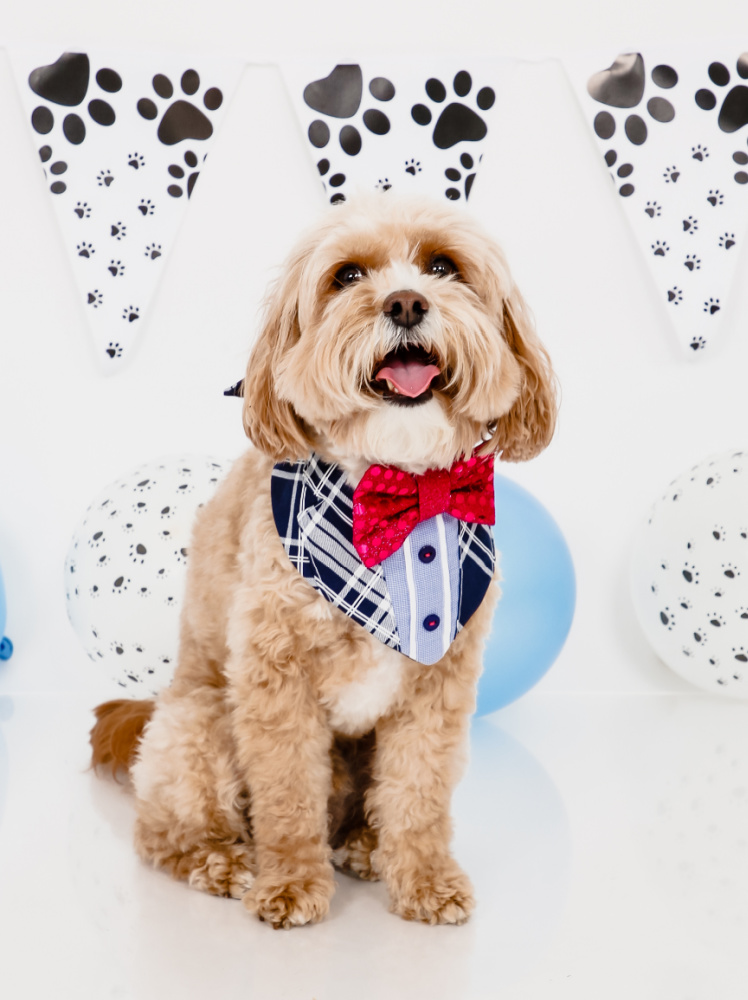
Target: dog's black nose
{"points": [[405, 308]]}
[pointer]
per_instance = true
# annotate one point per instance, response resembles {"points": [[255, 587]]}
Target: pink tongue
{"points": [[410, 377]]}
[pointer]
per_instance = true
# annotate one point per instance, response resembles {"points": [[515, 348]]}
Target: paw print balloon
{"points": [[689, 575], [126, 568]]}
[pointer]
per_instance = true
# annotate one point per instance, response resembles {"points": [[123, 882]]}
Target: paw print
{"points": [[138, 553], [167, 512], [718, 533], [104, 178], [57, 168], [712, 306], [659, 249], [730, 571], [82, 210], [178, 172], [733, 114], [153, 250], [144, 486], [690, 574], [740, 654], [713, 479], [699, 152], [85, 249], [182, 119], [690, 225], [700, 637], [94, 298], [181, 555], [671, 175], [136, 161], [383, 184], [742, 613], [727, 240], [675, 295], [741, 177], [66, 84], [143, 592], [117, 647], [454, 175], [653, 209], [715, 620], [120, 585], [96, 540], [667, 619], [114, 350], [413, 167], [457, 122], [622, 85], [692, 262], [131, 313], [118, 230], [146, 207], [339, 95], [715, 198], [116, 268]]}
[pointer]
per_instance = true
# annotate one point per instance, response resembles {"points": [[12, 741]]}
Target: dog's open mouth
{"points": [[407, 376]]}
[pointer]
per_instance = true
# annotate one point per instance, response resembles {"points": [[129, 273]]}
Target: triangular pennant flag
{"points": [[669, 121], [122, 137], [410, 125]]}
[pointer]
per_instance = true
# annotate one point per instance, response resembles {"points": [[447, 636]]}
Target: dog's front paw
{"points": [[433, 895], [291, 901]]}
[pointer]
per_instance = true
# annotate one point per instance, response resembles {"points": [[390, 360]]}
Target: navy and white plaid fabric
{"points": [[313, 512]]}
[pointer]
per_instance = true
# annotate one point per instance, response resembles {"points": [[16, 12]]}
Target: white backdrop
{"points": [[634, 413]]}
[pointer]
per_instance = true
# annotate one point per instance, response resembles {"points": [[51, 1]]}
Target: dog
{"points": [[330, 646]]}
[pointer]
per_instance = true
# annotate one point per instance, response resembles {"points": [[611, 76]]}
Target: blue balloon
{"points": [[538, 587], [6, 646]]}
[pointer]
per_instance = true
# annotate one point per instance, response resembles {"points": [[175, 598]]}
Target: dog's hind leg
{"points": [[192, 805]]}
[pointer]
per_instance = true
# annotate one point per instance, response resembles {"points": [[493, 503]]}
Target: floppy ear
{"points": [[271, 423], [528, 427]]}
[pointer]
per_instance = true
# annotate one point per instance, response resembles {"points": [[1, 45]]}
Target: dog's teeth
{"points": [[390, 386]]}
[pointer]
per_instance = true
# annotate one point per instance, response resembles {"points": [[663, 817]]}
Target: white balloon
{"points": [[689, 575], [126, 566]]}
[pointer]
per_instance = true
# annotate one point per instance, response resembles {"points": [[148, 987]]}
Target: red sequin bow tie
{"points": [[388, 503]]}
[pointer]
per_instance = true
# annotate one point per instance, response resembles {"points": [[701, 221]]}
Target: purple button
{"points": [[431, 622]]}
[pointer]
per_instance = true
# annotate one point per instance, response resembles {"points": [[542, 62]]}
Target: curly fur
{"points": [[290, 739]]}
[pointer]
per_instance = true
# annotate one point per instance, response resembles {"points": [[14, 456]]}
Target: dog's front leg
{"points": [[283, 747], [419, 758]]}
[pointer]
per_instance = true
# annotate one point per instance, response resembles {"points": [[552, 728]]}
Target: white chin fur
{"points": [[414, 438]]}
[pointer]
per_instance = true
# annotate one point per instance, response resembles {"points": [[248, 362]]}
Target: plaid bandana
{"points": [[313, 512]]}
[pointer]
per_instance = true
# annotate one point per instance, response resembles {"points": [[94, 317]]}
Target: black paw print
{"points": [[135, 160], [153, 250], [130, 313], [660, 249], [413, 167], [96, 540], [82, 210], [690, 225], [715, 198], [339, 95], [667, 619], [699, 152], [85, 250], [104, 178], [181, 120], [671, 175], [734, 111], [741, 177], [697, 344], [178, 172], [727, 240], [56, 169], [114, 350], [118, 230], [692, 262], [457, 122], [146, 206], [66, 83], [95, 298], [653, 209], [690, 574], [675, 295], [138, 553], [712, 306], [120, 585], [622, 85], [383, 184], [452, 174], [116, 268]]}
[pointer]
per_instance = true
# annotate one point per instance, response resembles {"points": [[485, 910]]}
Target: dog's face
{"points": [[396, 335]]}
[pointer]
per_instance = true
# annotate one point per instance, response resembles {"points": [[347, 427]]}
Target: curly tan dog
{"points": [[330, 646]]}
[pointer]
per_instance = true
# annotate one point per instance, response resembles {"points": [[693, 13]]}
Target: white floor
{"points": [[607, 838]]}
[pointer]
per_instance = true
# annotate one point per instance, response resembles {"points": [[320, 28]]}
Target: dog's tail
{"points": [[117, 732]]}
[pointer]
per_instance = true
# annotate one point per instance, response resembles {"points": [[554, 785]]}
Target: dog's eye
{"points": [[348, 274], [441, 267]]}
